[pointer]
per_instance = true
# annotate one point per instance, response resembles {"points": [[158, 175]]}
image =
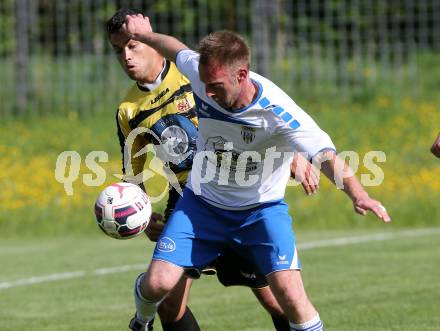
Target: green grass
{"points": [[383, 285]]}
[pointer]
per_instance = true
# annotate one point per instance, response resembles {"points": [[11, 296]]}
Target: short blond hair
{"points": [[225, 47]]}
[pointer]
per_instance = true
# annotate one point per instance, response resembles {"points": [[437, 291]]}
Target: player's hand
{"points": [[305, 173], [155, 226], [136, 25], [435, 149], [364, 204]]}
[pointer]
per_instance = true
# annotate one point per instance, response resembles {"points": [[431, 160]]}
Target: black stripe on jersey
{"points": [[162, 76], [143, 114], [121, 140], [190, 113]]}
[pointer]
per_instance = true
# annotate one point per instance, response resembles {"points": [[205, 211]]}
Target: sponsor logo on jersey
{"points": [[248, 134], [224, 150], [166, 245], [204, 106], [282, 260], [160, 95], [183, 105]]}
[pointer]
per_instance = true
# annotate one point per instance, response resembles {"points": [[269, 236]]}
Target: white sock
{"points": [[145, 309], [313, 325]]}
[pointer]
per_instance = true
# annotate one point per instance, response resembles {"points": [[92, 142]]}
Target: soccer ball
{"points": [[123, 210]]}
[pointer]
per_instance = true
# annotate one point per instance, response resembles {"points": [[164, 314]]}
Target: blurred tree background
{"points": [[54, 56]]}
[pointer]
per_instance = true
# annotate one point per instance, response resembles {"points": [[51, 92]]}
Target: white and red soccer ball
{"points": [[123, 210]]}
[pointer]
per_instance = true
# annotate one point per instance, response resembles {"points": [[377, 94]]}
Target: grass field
{"points": [[385, 280]]}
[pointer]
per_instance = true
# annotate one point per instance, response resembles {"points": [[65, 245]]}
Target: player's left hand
{"points": [[364, 204], [155, 226], [305, 173], [136, 25]]}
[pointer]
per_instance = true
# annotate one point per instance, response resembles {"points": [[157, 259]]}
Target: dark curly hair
{"points": [[114, 24]]}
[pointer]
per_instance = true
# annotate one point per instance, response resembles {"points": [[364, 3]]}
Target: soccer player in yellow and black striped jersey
{"points": [[166, 108], [162, 102]]}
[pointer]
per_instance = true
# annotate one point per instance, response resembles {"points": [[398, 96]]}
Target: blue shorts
{"points": [[198, 232]]}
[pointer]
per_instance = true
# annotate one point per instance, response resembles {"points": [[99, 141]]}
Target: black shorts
{"points": [[233, 269]]}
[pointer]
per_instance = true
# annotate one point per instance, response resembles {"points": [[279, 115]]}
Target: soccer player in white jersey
{"points": [[248, 131]]}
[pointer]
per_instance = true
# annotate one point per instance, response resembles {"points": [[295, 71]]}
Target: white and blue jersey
{"points": [[234, 195], [253, 146]]}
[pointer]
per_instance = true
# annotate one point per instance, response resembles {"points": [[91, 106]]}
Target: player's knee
{"points": [[154, 288], [159, 281], [295, 296], [288, 285]]}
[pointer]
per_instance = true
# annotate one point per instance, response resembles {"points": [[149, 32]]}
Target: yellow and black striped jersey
{"points": [[168, 114]]}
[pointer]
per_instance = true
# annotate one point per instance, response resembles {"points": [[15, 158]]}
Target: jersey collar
{"points": [[151, 86]]}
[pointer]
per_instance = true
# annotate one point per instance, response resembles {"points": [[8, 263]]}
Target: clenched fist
{"points": [[136, 25], [435, 149]]}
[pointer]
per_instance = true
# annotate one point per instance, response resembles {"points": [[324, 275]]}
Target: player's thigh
{"points": [[192, 236], [173, 307], [268, 239], [287, 284]]}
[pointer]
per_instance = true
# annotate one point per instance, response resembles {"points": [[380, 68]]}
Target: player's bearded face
{"points": [[221, 84]]}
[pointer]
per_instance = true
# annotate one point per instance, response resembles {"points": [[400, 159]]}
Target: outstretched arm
{"points": [[138, 27], [339, 172]]}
